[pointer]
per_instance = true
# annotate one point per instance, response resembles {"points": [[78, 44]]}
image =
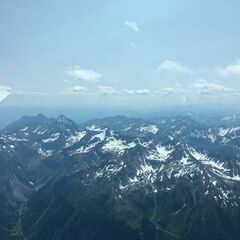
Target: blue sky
{"points": [[119, 53]]}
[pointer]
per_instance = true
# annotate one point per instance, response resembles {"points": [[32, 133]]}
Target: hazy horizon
{"points": [[80, 114]]}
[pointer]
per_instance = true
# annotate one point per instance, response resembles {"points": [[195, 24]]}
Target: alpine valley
{"points": [[120, 178]]}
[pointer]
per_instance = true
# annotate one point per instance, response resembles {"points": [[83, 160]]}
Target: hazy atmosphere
{"points": [[119, 120], [119, 53]]}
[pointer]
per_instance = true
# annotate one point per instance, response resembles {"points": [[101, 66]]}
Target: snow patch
{"points": [[117, 146], [45, 153], [151, 129], [53, 138], [74, 139], [161, 153]]}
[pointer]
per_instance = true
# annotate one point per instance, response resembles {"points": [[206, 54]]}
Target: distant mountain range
{"points": [[120, 178]]}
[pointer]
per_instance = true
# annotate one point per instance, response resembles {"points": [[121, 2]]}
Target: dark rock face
{"points": [[119, 178]]}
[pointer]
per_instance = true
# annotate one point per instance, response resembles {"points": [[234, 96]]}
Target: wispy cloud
{"points": [[205, 87], [132, 25], [37, 93], [171, 91], [77, 89], [4, 92], [137, 91], [84, 74], [74, 90], [107, 90], [231, 70], [173, 66], [197, 89]]}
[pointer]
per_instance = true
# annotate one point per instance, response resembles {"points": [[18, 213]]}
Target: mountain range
{"points": [[120, 178]]}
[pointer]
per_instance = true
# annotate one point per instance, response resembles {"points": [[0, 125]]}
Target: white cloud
{"points": [[171, 91], [173, 66], [231, 70], [4, 92], [132, 25], [137, 91], [85, 74], [77, 89], [107, 90], [65, 92], [36, 93], [209, 88]]}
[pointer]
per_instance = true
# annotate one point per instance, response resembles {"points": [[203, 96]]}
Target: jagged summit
{"points": [[63, 119]]}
